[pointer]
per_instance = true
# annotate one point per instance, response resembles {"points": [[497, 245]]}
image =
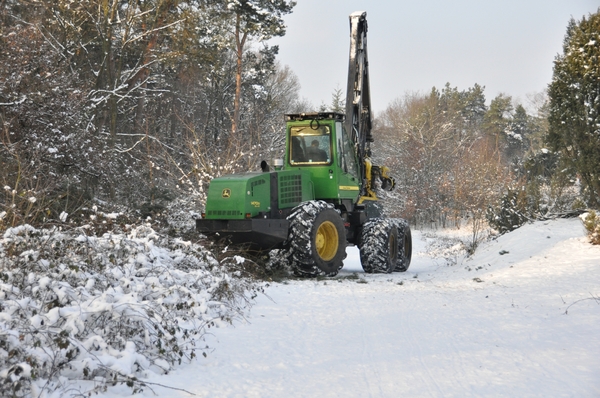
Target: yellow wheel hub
{"points": [[327, 241]]}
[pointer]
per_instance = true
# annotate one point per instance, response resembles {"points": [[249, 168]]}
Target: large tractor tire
{"points": [[317, 239], [405, 248], [378, 246]]}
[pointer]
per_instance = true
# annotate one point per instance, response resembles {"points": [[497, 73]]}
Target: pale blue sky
{"points": [[507, 46]]}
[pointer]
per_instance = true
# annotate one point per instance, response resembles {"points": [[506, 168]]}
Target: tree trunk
{"points": [[240, 40]]}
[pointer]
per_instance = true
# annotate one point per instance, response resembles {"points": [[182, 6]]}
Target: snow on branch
{"points": [[80, 311], [151, 31], [19, 102]]}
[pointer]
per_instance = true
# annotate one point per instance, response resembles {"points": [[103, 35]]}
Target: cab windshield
{"points": [[310, 145]]}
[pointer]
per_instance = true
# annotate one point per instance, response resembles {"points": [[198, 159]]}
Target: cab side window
{"points": [[346, 151]]}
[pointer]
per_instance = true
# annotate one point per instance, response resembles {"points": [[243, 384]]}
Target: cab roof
{"points": [[314, 116]]}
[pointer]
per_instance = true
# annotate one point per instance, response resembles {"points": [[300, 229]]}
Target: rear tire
{"points": [[405, 247], [378, 246], [317, 239]]}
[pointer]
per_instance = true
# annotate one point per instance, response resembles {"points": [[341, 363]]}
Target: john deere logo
{"points": [[226, 193]]}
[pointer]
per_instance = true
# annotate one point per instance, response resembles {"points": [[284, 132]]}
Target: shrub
{"points": [[510, 214], [106, 309], [591, 221]]}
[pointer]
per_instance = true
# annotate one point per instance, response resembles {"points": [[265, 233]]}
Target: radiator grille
{"points": [[290, 189]]}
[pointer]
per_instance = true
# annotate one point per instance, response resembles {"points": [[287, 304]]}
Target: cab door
{"points": [[348, 179]]}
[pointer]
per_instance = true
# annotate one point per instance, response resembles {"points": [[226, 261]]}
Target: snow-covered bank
{"points": [[519, 318], [80, 312]]}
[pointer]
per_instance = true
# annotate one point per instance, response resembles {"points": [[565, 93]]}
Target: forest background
{"points": [[136, 106]]}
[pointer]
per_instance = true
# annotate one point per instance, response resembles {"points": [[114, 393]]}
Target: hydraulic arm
{"points": [[358, 108]]}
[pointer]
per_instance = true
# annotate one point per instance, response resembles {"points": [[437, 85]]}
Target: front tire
{"points": [[317, 239]]}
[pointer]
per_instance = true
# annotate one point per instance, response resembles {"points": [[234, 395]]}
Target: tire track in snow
{"points": [[366, 348], [407, 323]]}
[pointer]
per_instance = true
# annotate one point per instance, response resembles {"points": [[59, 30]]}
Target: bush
{"points": [[510, 214], [591, 221], [101, 310], [536, 200]]}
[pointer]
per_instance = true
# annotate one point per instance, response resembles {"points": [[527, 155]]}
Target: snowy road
{"points": [[494, 325]]}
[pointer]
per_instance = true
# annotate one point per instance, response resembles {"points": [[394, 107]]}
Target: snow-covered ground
{"points": [[520, 318]]}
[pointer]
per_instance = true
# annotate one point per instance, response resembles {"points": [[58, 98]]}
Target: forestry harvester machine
{"points": [[321, 196]]}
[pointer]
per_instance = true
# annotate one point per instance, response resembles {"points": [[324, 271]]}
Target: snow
{"points": [[518, 318]]}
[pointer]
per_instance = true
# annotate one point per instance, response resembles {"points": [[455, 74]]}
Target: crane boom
{"points": [[358, 95], [358, 108]]}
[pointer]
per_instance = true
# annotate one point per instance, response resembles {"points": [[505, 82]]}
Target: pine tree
{"points": [[254, 19], [518, 133], [338, 103], [575, 102], [497, 119], [474, 106]]}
